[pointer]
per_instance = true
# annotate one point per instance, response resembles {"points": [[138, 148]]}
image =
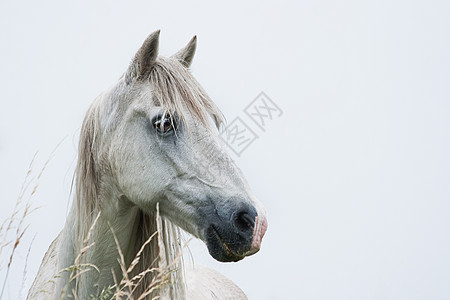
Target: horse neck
{"points": [[150, 246]]}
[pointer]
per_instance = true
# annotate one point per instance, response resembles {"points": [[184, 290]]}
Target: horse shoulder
{"points": [[205, 283], [44, 284]]}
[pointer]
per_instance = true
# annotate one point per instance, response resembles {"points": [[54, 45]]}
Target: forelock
{"points": [[176, 90]]}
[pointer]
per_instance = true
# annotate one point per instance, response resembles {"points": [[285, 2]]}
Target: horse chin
{"points": [[218, 249]]}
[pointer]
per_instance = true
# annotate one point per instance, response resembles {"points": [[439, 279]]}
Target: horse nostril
{"points": [[243, 222]]}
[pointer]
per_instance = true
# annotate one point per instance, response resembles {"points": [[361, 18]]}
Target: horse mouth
{"points": [[218, 248]]}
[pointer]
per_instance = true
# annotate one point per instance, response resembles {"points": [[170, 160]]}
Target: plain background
{"points": [[354, 175]]}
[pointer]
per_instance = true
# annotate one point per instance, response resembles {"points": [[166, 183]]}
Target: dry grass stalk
{"points": [[22, 209], [126, 288]]}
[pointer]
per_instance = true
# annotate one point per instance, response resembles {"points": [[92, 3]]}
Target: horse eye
{"points": [[164, 124]]}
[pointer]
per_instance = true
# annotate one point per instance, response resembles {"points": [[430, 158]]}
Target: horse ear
{"points": [[145, 57], [185, 55]]}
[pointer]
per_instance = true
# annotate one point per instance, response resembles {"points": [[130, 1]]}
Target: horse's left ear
{"points": [[185, 55], [145, 58]]}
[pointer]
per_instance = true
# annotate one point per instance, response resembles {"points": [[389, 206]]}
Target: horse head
{"points": [[161, 145]]}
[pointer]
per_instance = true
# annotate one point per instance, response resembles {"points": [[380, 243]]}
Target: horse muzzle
{"points": [[235, 235]]}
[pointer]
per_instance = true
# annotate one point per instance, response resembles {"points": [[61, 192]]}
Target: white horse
{"points": [[150, 145]]}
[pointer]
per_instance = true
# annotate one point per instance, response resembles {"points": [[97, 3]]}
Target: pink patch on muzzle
{"points": [[258, 232]]}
